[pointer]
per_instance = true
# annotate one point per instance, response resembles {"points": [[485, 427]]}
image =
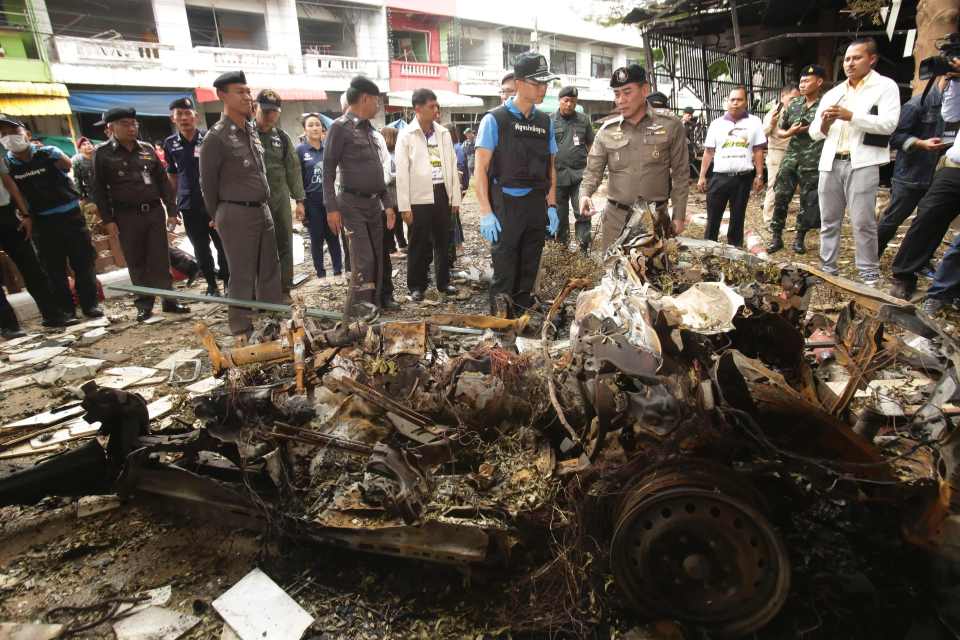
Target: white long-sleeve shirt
{"points": [[876, 91], [950, 110]]}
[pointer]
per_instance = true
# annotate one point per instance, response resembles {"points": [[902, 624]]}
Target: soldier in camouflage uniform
{"points": [[800, 163]]}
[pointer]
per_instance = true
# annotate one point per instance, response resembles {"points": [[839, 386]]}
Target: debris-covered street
{"points": [[687, 442]]}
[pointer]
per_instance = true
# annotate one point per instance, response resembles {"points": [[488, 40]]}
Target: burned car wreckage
{"points": [[651, 415]]}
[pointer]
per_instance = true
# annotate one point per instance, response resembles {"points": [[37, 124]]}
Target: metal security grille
{"points": [[696, 76]]}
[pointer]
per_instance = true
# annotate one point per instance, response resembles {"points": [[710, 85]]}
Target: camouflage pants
{"points": [[788, 179]]}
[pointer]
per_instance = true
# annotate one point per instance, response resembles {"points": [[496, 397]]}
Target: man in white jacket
{"points": [[428, 190], [855, 120]]}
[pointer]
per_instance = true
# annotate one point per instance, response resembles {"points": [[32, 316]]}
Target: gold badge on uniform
{"points": [[656, 153]]}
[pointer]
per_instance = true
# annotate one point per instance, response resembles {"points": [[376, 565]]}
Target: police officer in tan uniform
{"points": [[130, 189], [233, 179], [645, 152]]}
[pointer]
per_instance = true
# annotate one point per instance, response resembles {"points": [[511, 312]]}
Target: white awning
{"points": [[446, 99]]}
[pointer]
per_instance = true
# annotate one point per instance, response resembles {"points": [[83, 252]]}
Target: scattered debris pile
{"points": [[658, 426]]}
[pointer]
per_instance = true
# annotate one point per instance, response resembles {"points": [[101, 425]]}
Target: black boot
{"points": [[212, 288], [172, 306], [776, 242], [798, 245]]}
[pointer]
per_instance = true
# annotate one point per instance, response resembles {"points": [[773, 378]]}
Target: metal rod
{"points": [[312, 312], [230, 302]]}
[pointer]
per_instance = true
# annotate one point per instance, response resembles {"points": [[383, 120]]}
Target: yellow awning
{"points": [[52, 89], [34, 106]]}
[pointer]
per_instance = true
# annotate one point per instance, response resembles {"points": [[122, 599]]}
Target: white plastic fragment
{"points": [[256, 608]]}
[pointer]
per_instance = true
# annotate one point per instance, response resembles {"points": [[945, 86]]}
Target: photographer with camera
{"points": [[937, 209], [919, 146]]}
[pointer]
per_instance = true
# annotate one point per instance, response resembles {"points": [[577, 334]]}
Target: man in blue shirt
{"points": [[182, 150], [59, 228], [516, 186]]}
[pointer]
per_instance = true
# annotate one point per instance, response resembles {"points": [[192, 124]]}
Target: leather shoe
{"points": [[903, 289], [93, 312], [390, 304], [144, 314], [10, 334], [175, 307], [59, 321], [213, 290], [416, 295], [449, 290]]}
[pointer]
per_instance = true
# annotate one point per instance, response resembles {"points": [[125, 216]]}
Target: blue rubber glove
{"points": [[490, 227], [554, 223]]}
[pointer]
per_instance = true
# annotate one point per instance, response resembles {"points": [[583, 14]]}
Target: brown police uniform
{"points": [[647, 161], [130, 188]]}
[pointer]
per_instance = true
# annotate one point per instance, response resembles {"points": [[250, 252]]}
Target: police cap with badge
{"points": [[628, 74], [813, 70], [269, 100], [116, 113], [185, 102]]}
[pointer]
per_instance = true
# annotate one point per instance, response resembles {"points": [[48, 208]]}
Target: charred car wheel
{"points": [[706, 555]]}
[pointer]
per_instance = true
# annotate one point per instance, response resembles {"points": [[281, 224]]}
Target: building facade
{"points": [[146, 52]]}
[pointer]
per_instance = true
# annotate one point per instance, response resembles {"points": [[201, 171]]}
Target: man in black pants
{"points": [[59, 227], [735, 144], [919, 147], [183, 167], [516, 186], [428, 189], [938, 207], [15, 241]]}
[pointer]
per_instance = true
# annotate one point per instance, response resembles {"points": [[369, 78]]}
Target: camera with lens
{"points": [[936, 66]]}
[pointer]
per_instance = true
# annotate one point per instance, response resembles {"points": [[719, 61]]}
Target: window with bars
{"points": [[601, 66], [564, 62], [510, 53]]}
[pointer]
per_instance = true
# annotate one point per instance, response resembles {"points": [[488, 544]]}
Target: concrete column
{"points": [[493, 54], [619, 58], [170, 17], [40, 19], [584, 51], [283, 32], [372, 40]]}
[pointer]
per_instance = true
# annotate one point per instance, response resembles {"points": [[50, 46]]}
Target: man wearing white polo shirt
{"points": [[855, 120], [735, 144]]}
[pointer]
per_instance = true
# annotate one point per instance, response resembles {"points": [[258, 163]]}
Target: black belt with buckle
{"points": [[142, 207], [244, 203], [841, 156], [619, 205], [735, 173], [361, 194]]}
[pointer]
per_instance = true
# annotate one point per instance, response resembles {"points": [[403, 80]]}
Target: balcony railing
{"points": [[246, 59], [428, 70], [477, 75], [580, 82], [339, 66], [71, 50]]}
